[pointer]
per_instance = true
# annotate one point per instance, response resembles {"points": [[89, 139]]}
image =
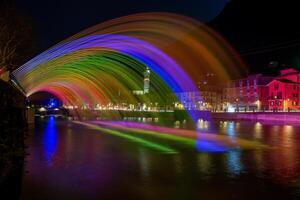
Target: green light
{"points": [[152, 145]]}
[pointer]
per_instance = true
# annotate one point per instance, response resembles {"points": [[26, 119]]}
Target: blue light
{"points": [[53, 103], [207, 146], [50, 140]]}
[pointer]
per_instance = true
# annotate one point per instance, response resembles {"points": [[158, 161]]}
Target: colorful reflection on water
{"points": [[50, 139], [70, 161]]}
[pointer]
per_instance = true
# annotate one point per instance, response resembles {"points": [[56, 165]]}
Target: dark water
{"points": [[69, 161]]}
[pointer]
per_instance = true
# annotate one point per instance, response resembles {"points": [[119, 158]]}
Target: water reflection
{"points": [[204, 163], [231, 129], [288, 139], [259, 160], [233, 161], [50, 140], [209, 146], [203, 125], [258, 130], [144, 164], [93, 165], [178, 164]]}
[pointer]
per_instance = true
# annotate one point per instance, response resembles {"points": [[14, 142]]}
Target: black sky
{"points": [[57, 19], [261, 30]]}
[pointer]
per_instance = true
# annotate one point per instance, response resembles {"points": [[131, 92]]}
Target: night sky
{"points": [[57, 19], [261, 32]]}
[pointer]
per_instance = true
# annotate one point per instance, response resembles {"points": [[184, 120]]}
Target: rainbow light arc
{"points": [[93, 65]]}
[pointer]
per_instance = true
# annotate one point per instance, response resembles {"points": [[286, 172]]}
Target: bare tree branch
{"points": [[15, 37]]}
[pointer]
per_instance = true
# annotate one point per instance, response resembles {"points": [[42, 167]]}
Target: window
{"points": [[241, 83], [279, 95], [276, 86], [294, 87]]}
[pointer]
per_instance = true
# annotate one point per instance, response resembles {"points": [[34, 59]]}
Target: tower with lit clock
{"points": [[147, 80]]}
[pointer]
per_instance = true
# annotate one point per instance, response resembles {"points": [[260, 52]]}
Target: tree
{"points": [[15, 37]]}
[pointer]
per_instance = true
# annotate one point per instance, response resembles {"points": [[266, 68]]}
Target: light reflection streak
{"points": [[231, 129], [144, 164], [204, 163], [152, 145], [207, 142], [234, 164], [258, 130], [50, 140], [288, 136], [178, 164], [187, 137]]}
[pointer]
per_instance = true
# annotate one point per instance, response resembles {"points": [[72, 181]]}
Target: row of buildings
{"points": [[253, 93]]}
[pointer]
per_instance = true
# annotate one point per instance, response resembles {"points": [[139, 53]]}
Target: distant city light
{"points": [[53, 103], [231, 108], [42, 109]]}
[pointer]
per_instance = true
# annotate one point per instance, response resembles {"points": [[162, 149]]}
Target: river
{"points": [[70, 161]]}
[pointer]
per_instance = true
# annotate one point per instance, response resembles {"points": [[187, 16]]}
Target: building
{"points": [[290, 74], [147, 80], [207, 98], [283, 95], [248, 94], [146, 86], [253, 93], [189, 100], [284, 91]]}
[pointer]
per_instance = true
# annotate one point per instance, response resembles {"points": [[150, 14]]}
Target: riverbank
{"points": [[180, 115], [288, 117], [13, 127]]}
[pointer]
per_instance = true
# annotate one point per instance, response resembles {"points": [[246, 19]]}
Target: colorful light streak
{"points": [[105, 63], [207, 142], [149, 144], [92, 66]]}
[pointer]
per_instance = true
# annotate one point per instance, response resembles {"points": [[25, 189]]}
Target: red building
{"points": [[258, 92], [290, 74], [283, 95], [284, 91]]}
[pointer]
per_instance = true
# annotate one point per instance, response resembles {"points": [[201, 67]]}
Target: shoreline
{"points": [[285, 117]]}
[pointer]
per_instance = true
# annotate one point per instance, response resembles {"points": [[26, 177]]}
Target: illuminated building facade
{"points": [[147, 80], [288, 81], [207, 98], [283, 95], [248, 94]]}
